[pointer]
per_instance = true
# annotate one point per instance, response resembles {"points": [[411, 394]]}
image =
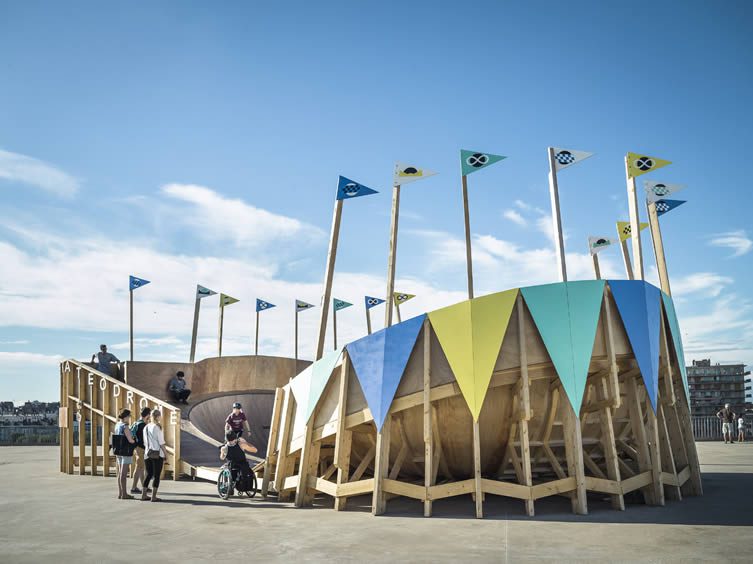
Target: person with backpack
{"points": [[154, 444], [139, 453], [123, 444]]}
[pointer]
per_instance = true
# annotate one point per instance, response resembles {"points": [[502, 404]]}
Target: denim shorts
{"points": [[124, 459]]}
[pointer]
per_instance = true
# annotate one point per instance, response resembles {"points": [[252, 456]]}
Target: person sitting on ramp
{"points": [[237, 421], [233, 451]]}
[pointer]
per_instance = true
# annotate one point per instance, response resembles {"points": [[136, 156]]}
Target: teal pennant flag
{"points": [[471, 161]]}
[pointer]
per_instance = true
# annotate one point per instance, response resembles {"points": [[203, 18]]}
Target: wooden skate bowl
{"points": [[494, 356]]}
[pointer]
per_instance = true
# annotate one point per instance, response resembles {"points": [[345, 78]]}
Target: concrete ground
{"points": [[53, 517]]}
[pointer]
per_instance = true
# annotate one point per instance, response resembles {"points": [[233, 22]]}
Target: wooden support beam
{"points": [[381, 464], [364, 464], [641, 437], [667, 458], [477, 471], [429, 476], [654, 448], [574, 455], [608, 328], [285, 461], [274, 432], [438, 462], [81, 423], [608, 441], [344, 437]]}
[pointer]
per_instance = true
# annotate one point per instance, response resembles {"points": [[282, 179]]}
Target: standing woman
{"points": [[154, 442], [124, 454]]}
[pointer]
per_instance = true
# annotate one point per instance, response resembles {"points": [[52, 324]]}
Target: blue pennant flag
{"points": [[134, 282], [664, 206], [261, 305], [340, 304], [371, 302], [348, 189]]}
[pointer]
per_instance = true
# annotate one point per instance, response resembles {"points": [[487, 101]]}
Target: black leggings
{"points": [[153, 470]]}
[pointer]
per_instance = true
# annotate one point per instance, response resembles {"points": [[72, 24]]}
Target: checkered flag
{"points": [[564, 158]]}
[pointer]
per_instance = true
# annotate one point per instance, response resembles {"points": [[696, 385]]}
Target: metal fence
{"points": [[22, 435], [709, 428]]}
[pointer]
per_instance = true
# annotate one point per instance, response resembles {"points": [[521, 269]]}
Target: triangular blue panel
{"points": [[638, 304], [669, 308], [348, 189], [379, 361]]}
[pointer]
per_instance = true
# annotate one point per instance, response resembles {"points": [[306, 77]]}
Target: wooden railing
{"points": [[89, 395]]}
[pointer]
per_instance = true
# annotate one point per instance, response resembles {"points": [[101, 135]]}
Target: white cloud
{"points": [[20, 342], [27, 358], [738, 241], [515, 217], [28, 170], [213, 216], [168, 341], [706, 283]]}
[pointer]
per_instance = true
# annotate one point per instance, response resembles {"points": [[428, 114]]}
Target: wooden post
{"points": [[608, 441], [479, 494], [274, 432], [81, 425], [468, 255], [130, 331], [328, 276], [635, 228], [70, 417], [597, 270], [574, 455], [256, 339], [344, 437], [667, 457], [655, 450], [296, 336], [641, 439], [368, 320], [656, 239], [334, 324], [195, 331], [284, 464], [614, 373], [626, 259], [93, 416], [391, 259], [428, 446], [381, 467], [219, 330], [397, 310], [525, 402], [556, 218]]}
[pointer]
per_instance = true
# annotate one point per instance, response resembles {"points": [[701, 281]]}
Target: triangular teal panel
{"points": [[584, 304], [321, 371], [379, 361], [567, 315], [669, 308], [638, 304]]}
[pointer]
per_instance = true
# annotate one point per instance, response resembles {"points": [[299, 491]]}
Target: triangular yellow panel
{"points": [[454, 330], [471, 334], [641, 164]]}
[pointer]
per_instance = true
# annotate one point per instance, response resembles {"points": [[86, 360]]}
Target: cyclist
{"points": [[233, 451], [237, 421]]}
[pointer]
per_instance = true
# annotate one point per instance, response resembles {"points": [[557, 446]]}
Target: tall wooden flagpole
{"points": [[626, 259], [656, 239], [368, 321], [556, 217], [468, 253], [328, 277], [597, 270], [392, 255], [334, 325], [635, 229], [195, 331], [130, 332], [296, 334], [256, 337], [219, 329]]}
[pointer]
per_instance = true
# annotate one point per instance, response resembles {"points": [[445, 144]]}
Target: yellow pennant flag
{"points": [[624, 229], [401, 297], [641, 164], [226, 300]]}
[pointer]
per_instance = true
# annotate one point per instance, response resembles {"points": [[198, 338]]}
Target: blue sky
{"points": [[191, 142]]}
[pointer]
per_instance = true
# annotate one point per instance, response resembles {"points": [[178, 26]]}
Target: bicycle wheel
{"points": [[252, 491], [224, 484]]}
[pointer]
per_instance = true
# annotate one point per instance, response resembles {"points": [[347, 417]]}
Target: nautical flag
{"points": [[596, 244], [663, 206], [301, 305], [660, 190], [340, 304], [134, 282], [471, 161], [400, 298], [641, 164], [261, 305], [347, 189], [202, 292], [405, 173], [563, 158], [623, 228], [226, 300], [371, 302]]}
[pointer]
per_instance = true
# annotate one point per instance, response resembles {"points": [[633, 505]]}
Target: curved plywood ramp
{"points": [[556, 389]]}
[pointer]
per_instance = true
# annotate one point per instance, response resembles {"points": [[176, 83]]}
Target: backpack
{"points": [[120, 444], [137, 430]]}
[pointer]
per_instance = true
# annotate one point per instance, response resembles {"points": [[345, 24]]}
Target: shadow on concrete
{"points": [[726, 502]]}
